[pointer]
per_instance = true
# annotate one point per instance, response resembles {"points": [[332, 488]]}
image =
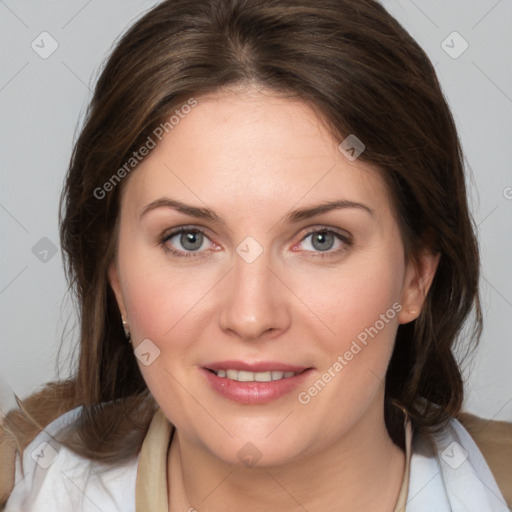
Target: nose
{"points": [[255, 302]]}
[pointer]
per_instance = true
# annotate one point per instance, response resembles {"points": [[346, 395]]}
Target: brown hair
{"points": [[364, 74]]}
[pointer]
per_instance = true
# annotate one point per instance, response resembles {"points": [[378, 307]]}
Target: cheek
{"points": [[354, 298], [166, 305], [360, 305], [163, 301]]}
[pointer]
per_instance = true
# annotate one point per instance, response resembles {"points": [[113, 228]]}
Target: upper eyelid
{"points": [[183, 229], [320, 228]]}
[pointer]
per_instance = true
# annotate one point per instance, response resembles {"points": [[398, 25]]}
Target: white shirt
{"points": [[63, 481]]}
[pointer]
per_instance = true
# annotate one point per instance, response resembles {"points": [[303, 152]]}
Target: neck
{"points": [[347, 475]]}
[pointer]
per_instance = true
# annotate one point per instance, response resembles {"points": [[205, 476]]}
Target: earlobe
{"points": [[419, 276], [113, 278]]}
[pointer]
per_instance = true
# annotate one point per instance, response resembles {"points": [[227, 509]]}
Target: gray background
{"points": [[43, 99]]}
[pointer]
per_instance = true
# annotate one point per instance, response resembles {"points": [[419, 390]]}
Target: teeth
{"points": [[232, 374], [245, 376], [263, 376]]}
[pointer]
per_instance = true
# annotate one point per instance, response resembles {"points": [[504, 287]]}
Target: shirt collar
{"points": [[151, 487]]}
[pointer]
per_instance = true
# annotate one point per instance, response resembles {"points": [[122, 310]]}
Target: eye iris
{"points": [[191, 240], [325, 239]]}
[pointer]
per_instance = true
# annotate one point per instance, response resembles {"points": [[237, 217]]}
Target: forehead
{"points": [[249, 151]]}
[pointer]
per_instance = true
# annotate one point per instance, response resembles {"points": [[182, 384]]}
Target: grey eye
{"points": [[191, 240], [322, 240]]}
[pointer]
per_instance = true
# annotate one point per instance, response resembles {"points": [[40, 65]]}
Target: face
{"points": [[228, 271]]}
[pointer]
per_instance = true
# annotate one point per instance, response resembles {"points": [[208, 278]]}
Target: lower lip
{"points": [[254, 393]]}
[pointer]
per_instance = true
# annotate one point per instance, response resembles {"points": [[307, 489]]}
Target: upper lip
{"points": [[257, 366]]}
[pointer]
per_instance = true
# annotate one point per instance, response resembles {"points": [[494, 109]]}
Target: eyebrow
{"points": [[312, 211], [291, 217]]}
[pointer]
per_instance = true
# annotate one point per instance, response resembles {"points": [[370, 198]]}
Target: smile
{"points": [[246, 376], [254, 383]]}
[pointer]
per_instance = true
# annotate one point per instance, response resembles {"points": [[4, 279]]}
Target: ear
{"points": [[113, 278], [419, 274]]}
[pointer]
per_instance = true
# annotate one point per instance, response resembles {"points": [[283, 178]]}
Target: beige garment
{"points": [[151, 489], [151, 486]]}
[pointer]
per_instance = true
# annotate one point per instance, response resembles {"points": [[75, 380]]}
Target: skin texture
{"points": [[252, 156]]}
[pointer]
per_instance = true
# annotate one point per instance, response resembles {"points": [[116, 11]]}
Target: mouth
{"points": [[246, 376], [254, 383]]}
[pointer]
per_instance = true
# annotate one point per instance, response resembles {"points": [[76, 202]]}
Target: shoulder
{"points": [[451, 471], [50, 473], [494, 440]]}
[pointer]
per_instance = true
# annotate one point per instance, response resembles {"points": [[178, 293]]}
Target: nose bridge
{"points": [[254, 302]]}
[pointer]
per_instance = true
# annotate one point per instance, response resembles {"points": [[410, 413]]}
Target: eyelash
{"points": [[347, 241]]}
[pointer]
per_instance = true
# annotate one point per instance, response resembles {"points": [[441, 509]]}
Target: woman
{"points": [[265, 222]]}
